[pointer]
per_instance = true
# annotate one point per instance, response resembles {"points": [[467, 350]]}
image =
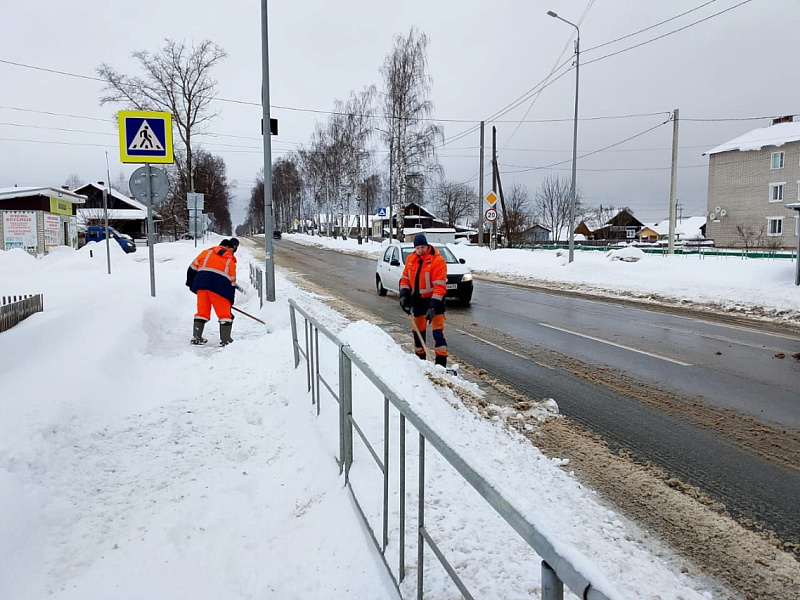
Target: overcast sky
{"points": [[482, 57]]}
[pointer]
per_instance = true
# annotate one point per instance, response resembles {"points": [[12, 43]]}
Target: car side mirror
{"points": [[395, 262], [462, 261]]}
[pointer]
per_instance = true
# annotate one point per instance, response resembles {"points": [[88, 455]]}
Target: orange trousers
{"points": [[437, 329], [205, 300]]}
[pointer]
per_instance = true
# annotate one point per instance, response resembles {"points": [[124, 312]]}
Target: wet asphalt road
{"points": [[532, 340]]}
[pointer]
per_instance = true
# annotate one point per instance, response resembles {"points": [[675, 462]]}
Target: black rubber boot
{"points": [[197, 332], [441, 360], [225, 334]]}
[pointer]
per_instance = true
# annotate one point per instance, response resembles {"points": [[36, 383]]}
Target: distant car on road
{"points": [[97, 233], [393, 259], [276, 235]]}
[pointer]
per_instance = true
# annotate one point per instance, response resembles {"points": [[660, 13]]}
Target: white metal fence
{"points": [[556, 569]]}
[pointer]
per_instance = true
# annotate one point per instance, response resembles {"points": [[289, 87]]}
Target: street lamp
{"points": [[574, 138]]}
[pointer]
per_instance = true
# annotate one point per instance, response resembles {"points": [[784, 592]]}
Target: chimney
{"points": [[65, 187], [786, 119]]}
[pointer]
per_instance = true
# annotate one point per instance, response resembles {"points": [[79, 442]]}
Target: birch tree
{"points": [[408, 132]]}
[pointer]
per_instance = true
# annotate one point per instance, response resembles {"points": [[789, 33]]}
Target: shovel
{"points": [[239, 310], [450, 370]]}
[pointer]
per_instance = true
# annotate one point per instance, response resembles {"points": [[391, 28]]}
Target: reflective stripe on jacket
{"points": [[214, 270], [432, 279]]}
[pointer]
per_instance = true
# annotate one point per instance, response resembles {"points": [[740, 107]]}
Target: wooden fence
{"points": [[14, 309]]}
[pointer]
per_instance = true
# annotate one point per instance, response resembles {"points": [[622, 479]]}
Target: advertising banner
{"points": [[52, 230], [19, 230]]}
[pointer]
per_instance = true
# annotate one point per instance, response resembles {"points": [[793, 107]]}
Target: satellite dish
{"points": [[723, 212], [717, 209]]}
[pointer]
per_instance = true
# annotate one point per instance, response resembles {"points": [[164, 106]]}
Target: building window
{"points": [[777, 160], [776, 192], [774, 226]]}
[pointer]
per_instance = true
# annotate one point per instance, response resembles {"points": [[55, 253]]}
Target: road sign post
{"points": [[146, 137]]}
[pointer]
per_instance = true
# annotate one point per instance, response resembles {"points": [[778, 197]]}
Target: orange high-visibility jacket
{"points": [[432, 278], [214, 270]]}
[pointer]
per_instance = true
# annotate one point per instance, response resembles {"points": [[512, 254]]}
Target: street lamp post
{"points": [[574, 138]]}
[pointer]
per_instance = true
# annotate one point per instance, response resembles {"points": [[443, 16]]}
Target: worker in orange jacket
{"points": [[212, 276], [423, 287]]}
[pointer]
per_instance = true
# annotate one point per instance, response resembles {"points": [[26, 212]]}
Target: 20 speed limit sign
{"points": [[490, 214]]}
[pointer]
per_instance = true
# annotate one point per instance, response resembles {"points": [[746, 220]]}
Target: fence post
{"points": [[293, 319], [552, 588], [421, 518], [345, 412]]}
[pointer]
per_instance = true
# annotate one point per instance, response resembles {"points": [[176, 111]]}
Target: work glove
{"points": [[430, 314], [405, 303]]}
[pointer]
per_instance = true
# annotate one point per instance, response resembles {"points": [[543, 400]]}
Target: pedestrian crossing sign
{"points": [[145, 136]]}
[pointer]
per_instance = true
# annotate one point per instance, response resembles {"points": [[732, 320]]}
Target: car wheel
{"points": [[465, 299], [379, 286]]}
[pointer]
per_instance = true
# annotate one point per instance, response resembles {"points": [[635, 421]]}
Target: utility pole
{"points": [[268, 222], [494, 183], [391, 185], [480, 194], [673, 201]]}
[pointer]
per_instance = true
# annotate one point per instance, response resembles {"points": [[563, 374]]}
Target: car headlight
{"points": [[467, 277]]}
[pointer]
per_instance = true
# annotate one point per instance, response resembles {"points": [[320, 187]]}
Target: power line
{"points": [[650, 27], [668, 33], [594, 151]]}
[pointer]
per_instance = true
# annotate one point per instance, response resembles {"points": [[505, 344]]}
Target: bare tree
{"points": [[517, 216], [211, 178], [287, 185], [601, 215], [74, 181], [368, 193], [411, 137], [552, 204], [177, 79], [749, 236], [255, 209], [454, 201], [121, 185]]}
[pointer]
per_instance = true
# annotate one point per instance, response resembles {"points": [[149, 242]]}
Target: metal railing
{"points": [[556, 570], [14, 309], [257, 279]]}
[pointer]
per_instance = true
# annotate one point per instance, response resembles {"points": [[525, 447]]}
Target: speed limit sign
{"points": [[490, 214]]}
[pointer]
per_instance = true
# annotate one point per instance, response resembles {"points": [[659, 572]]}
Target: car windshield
{"points": [[449, 257]]}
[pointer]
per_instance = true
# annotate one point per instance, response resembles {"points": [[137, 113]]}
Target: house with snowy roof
{"points": [[688, 230], [125, 214], [750, 180]]}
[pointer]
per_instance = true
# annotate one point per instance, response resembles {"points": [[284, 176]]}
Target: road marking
{"points": [[589, 337], [511, 352], [720, 338], [741, 328]]}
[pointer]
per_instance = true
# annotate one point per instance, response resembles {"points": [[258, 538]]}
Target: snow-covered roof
{"points": [[114, 214], [774, 135], [51, 192], [115, 194], [687, 228]]}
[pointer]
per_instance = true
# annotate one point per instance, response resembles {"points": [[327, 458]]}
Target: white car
{"points": [[393, 259]]}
